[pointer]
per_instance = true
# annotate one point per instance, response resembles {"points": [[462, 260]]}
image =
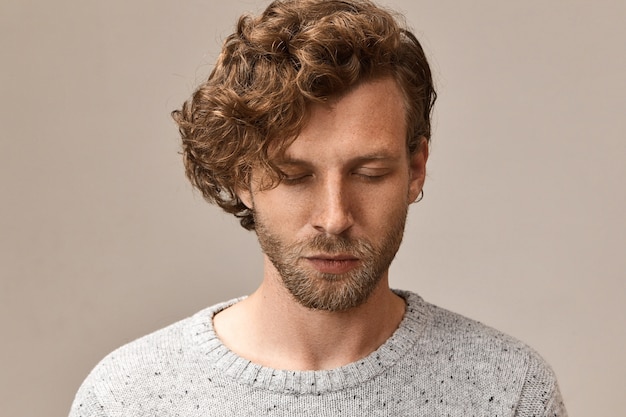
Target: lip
{"points": [[333, 264]]}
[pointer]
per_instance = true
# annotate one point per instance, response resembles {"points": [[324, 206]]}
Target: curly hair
{"points": [[297, 52]]}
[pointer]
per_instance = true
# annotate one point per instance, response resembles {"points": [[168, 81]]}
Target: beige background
{"points": [[102, 239]]}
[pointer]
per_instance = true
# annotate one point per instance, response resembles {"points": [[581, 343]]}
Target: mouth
{"points": [[333, 264]]}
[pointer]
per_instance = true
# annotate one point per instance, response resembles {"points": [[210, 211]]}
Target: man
{"points": [[313, 129]]}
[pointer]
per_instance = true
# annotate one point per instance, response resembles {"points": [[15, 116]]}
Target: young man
{"points": [[313, 129]]}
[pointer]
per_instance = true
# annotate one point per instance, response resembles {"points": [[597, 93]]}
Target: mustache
{"points": [[336, 245]]}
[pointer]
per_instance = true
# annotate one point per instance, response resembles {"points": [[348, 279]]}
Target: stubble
{"points": [[332, 292]]}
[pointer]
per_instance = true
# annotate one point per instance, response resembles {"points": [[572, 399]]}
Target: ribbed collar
{"points": [[227, 363]]}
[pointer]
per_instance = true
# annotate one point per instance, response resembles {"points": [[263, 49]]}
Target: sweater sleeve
{"points": [[86, 403], [540, 394]]}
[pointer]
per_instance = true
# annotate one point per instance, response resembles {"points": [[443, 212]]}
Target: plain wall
{"points": [[102, 239]]}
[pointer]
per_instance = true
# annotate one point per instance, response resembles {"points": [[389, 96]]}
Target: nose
{"points": [[333, 214]]}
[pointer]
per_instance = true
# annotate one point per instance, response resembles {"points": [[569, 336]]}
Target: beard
{"points": [[325, 291]]}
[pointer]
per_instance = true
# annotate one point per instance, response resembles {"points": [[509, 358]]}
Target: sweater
{"points": [[436, 363]]}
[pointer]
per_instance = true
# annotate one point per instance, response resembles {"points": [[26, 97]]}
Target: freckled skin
{"points": [[331, 229]]}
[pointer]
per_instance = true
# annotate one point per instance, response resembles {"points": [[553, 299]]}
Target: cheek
{"points": [[279, 210], [384, 207]]}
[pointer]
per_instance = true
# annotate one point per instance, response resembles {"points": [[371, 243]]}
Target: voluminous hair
{"points": [[297, 52]]}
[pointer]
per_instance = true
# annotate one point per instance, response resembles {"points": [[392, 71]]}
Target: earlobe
{"points": [[417, 169]]}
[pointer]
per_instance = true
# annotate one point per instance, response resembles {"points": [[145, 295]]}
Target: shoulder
{"points": [[473, 338], [136, 373], [486, 364], [442, 328], [165, 347], [137, 362], [147, 350]]}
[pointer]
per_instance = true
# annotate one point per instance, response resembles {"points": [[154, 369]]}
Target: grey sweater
{"points": [[436, 363]]}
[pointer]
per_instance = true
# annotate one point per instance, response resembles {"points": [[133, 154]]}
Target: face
{"points": [[331, 228]]}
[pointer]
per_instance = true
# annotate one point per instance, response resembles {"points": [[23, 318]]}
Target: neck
{"points": [[272, 329]]}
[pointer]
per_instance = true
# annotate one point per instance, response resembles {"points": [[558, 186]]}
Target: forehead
{"points": [[369, 119]]}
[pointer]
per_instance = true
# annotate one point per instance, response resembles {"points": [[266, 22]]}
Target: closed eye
{"points": [[372, 174], [294, 179]]}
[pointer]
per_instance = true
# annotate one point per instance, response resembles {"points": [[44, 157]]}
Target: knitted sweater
{"points": [[436, 363]]}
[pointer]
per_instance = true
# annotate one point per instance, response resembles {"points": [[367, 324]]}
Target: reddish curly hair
{"points": [[255, 101]]}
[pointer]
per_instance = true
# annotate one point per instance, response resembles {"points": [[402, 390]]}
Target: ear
{"points": [[245, 195], [417, 169]]}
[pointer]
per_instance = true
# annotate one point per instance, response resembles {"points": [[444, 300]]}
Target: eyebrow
{"points": [[375, 156]]}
